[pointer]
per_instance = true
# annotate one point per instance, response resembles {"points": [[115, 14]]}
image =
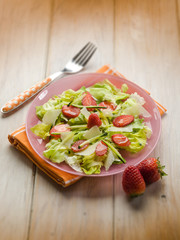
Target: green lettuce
{"points": [[136, 132], [55, 151], [59, 150], [52, 103], [90, 166], [130, 107], [79, 135], [41, 130], [57, 102], [138, 140], [106, 91], [78, 120]]}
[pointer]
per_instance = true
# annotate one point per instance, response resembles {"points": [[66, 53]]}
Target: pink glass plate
{"points": [[75, 82]]}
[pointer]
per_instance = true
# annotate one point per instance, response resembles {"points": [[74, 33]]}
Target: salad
{"points": [[89, 128]]}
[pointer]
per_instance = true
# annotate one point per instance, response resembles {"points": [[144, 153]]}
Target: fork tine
{"points": [[87, 57], [81, 51], [84, 53]]}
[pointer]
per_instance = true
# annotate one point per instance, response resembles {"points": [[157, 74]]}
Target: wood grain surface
{"points": [[142, 40]]}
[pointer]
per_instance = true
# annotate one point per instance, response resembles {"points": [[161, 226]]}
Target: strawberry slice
{"points": [[59, 128], [101, 149], [109, 105], [94, 120], [123, 120], [121, 140], [75, 146], [88, 100], [70, 111]]}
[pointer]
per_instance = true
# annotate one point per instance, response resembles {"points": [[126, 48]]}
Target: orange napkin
{"points": [[20, 141]]}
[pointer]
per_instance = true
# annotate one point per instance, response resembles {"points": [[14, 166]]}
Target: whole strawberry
{"points": [[151, 170], [94, 120], [133, 182]]}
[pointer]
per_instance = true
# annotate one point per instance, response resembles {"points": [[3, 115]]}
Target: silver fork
{"points": [[75, 65]]}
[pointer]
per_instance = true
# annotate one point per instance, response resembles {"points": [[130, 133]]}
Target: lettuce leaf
{"points": [[55, 151], [107, 91], [90, 166], [133, 106], [138, 140], [78, 136], [57, 102], [134, 126], [78, 120], [41, 130], [130, 107]]}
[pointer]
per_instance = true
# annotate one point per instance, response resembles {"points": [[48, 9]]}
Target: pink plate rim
{"points": [[89, 79]]}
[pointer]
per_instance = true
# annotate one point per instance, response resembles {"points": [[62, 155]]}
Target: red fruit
{"points": [[133, 182], [151, 170], [75, 147], [123, 120], [70, 111], [109, 105], [59, 128], [88, 100], [94, 120], [101, 149], [121, 140]]}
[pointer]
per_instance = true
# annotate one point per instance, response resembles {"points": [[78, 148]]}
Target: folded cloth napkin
{"points": [[20, 141]]}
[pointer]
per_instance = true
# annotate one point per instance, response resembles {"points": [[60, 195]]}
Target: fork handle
{"points": [[25, 96]]}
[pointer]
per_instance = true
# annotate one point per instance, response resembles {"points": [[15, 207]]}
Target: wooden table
{"points": [[142, 40]]}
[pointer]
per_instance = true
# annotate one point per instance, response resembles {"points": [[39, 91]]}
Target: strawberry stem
{"points": [[160, 168]]}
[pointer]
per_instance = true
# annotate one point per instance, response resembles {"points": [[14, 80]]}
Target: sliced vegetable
{"points": [[92, 140], [115, 151], [78, 127], [90, 106]]}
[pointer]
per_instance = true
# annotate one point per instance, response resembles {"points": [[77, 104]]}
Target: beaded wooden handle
{"points": [[24, 96]]}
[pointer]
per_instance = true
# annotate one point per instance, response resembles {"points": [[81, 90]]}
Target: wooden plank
{"points": [[23, 41], [147, 51], [84, 210]]}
